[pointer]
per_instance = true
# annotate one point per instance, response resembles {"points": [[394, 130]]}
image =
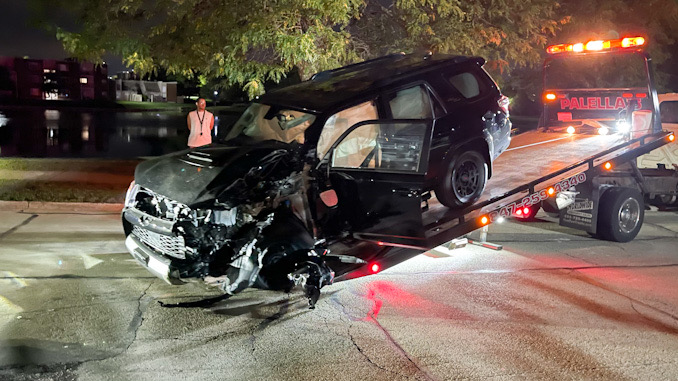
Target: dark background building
{"points": [[36, 79]]}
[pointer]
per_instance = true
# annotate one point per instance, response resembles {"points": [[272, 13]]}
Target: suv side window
{"points": [[411, 103], [338, 123], [466, 84]]}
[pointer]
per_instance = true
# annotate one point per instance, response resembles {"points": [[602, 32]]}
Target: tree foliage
{"points": [[505, 32], [244, 41], [249, 42]]}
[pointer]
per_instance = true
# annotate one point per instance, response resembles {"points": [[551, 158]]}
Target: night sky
{"points": [[18, 37]]}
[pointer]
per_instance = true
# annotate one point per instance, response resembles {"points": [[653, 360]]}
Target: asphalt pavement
{"points": [[554, 304]]}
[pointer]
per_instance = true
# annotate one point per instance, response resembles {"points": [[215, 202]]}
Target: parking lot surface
{"points": [[554, 304]]}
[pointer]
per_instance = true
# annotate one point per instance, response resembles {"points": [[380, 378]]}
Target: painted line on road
{"points": [[14, 278]]}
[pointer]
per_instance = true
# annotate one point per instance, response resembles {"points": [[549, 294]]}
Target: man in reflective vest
{"points": [[200, 123]]}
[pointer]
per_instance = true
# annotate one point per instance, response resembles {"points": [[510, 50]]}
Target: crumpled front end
{"points": [[260, 240]]}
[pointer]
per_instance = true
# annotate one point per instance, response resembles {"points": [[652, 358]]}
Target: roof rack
{"points": [[323, 75]]}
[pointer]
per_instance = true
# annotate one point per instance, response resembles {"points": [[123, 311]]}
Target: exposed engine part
{"points": [[228, 243]]}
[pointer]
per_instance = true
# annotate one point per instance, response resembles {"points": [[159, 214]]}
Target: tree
{"points": [[249, 42], [507, 33], [244, 41], [657, 20]]}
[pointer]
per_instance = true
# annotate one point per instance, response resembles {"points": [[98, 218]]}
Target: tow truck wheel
{"points": [[620, 214], [464, 180]]}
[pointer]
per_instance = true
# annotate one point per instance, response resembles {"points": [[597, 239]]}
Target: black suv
{"points": [[322, 177]]}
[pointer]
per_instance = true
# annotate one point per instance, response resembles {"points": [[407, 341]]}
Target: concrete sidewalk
{"points": [[59, 207]]}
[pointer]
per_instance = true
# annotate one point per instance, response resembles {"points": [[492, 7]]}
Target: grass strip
{"points": [[116, 167], [50, 191]]}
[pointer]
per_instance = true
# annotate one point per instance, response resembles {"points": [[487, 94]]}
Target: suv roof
{"points": [[334, 87]]}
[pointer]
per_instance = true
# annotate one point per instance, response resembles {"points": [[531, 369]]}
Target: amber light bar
{"points": [[596, 45]]}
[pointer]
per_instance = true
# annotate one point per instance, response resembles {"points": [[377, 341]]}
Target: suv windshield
{"points": [[267, 122]]}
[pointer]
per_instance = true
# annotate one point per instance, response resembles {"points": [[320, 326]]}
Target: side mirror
{"points": [[329, 198]]}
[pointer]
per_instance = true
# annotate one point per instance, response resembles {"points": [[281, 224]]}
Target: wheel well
{"points": [[477, 144]]}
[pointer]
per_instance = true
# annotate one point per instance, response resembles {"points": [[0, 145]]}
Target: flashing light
{"points": [[603, 130], [550, 96], [672, 137], [607, 165], [641, 95], [519, 212], [623, 126], [627, 95], [380, 243], [632, 41], [551, 191], [570, 130], [500, 219], [375, 268], [526, 210], [596, 45], [484, 220]]}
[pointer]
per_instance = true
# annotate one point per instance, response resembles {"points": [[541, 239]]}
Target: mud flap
{"points": [[582, 214]]}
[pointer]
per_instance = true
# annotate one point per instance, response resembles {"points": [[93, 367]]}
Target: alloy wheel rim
{"points": [[465, 178], [629, 215]]}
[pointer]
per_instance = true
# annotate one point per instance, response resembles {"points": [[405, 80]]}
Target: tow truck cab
{"points": [[599, 87], [607, 87]]}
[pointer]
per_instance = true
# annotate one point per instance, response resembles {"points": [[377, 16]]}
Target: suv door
{"points": [[377, 168]]}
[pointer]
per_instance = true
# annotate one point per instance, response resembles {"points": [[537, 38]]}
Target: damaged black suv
{"points": [[322, 178]]}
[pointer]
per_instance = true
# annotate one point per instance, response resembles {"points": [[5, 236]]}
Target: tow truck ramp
{"points": [[535, 170]]}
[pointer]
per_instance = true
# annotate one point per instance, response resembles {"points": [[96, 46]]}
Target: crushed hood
{"points": [[198, 175]]}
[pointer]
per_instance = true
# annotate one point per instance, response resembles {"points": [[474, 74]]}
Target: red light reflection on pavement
{"points": [[407, 304]]}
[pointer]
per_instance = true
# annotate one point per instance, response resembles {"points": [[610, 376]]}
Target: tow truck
{"points": [[608, 86], [589, 180], [594, 163]]}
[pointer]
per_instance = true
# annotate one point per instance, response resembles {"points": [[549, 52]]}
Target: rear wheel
{"points": [[464, 180], [620, 214]]}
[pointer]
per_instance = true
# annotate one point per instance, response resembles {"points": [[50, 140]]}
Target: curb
{"points": [[59, 207]]}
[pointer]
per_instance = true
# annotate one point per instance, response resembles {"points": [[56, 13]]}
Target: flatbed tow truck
{"points": [[590, 181], [377, 215]]}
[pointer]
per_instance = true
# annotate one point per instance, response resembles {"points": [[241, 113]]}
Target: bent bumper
{"points": [[154, 263]]}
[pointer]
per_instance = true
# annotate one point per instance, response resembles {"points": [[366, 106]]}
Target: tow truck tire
{"points": [[620, 214], [464, 180]]}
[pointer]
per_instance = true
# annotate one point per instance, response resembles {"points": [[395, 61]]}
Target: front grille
{"points": [[163, 244]]}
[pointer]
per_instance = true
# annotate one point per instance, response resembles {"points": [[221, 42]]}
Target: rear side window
{"points": [[467, 84], [669, 111], [411, 103]]}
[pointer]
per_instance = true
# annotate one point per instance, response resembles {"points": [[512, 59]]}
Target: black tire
{"points": [[463, 180], [620, 214]]}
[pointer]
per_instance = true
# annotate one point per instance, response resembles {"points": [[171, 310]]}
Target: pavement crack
{"points": [[14, 228], [365, 356], [585, 279], [138, 319], [660, 227], [400, 349]]}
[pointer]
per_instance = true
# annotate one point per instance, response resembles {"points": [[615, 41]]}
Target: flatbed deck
{"points": [[534, 161], [530, 156]]}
